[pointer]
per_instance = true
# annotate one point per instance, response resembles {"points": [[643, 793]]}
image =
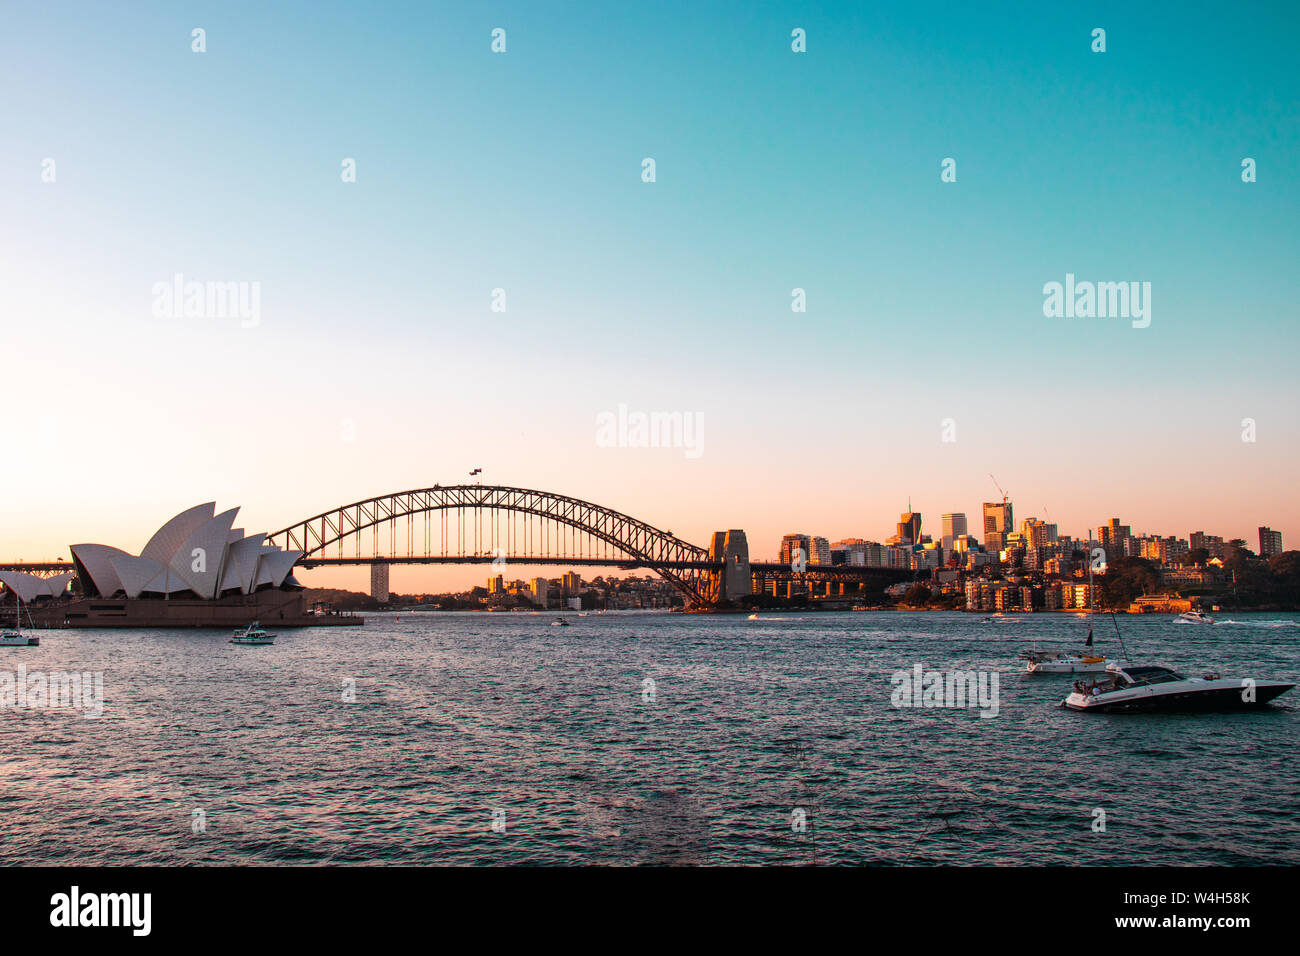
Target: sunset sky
{"points": [[376, 363]]}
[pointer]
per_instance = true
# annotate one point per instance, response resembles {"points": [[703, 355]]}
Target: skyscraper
{"points": [[997, 524], [1270, 542], [909, 527], [792, 543], [954, 526]]}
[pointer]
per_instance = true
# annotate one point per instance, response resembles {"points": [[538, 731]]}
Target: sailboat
{"points": [[1063, 662], [1059, 662], [16, 637]]}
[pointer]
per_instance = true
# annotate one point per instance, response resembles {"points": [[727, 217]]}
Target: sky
{"points": [[376, 362]]}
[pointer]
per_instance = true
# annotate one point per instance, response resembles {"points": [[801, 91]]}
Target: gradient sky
{"points": [[775, 170]]}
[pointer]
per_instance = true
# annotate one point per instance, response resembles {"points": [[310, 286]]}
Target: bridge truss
{"points": [[496, 523]]}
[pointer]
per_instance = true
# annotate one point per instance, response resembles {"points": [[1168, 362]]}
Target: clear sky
{"points": [[377, 363]]}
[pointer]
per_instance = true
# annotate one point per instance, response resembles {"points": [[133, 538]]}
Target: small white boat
{"points": [[1194, 617], [754, 616], [1133, 689], [14, 637], [1053, 662], [559, 622], [251, 635]]}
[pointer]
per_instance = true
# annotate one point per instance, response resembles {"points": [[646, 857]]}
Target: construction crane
{"points": [[998, 487]]}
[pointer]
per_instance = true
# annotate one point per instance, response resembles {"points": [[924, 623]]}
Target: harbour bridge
{"points": [[501, 525]]}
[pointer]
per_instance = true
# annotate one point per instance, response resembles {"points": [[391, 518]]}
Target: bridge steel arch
{"points": [[684, 565]]}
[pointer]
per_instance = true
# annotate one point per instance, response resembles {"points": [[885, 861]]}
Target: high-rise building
{"points": [[496, 584], [541, 589], [954, 526], [1037, 534], [379, 582], [1270, 542], [819, 551], [571, 582], [849, 551], [997, 524], [1114, 538], [1212, 543], [909, 527], [792, 543]]}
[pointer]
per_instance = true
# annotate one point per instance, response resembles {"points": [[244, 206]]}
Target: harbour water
{"points": [[437, 738]]}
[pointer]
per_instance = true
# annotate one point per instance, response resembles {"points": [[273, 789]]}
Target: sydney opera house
{"points": [[197, 554], [197, 570]]}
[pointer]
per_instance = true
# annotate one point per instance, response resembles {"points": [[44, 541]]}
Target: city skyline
{"points": [[426, 579]]}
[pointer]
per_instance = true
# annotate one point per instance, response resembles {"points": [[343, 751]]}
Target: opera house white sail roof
{"points": [[29, 587], [198, 552]]}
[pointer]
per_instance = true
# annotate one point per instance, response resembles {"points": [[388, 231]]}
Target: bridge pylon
{"points": [[734, 581]]}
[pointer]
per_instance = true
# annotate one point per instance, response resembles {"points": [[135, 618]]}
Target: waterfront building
{"points": [[197, 554], [379, 582], [1270, 542], [541, 591], [1209, 576], [1212, 543]]}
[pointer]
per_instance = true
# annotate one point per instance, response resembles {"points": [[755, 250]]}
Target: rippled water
{"points": [[460, 715]]}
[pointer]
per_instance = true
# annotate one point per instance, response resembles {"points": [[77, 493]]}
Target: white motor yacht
{"points": [[15, 638], [251, 635], [1150, 688], [1055, 662], [1194, 617]]}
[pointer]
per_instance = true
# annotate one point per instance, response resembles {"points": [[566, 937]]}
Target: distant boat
{"points": [[251, 635], [754, 616], [1194, 617], [1052, 662], [559, 622], [15, 637]]}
